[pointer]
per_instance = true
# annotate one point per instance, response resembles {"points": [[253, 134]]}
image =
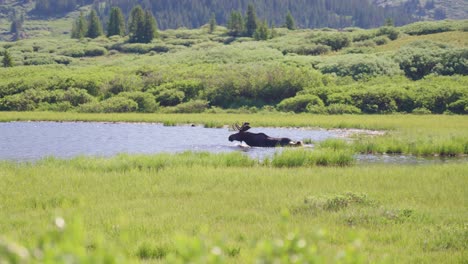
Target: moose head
{"points": [[259, 139]]}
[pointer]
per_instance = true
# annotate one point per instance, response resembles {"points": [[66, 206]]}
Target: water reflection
{"points": [[34, 140]]}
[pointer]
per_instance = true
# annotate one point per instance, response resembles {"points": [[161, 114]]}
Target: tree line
{"points": [[307, 13], [195, 13], [250, 26], [142, 26]]}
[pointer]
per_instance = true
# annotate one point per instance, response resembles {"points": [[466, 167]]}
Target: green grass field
{"points": [[402, 214], [227, 208]]}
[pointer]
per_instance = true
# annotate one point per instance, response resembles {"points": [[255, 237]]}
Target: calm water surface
{"points": [[22, 141], [29, 141]]}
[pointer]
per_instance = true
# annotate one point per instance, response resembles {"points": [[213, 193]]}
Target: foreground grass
{"points": [[401, 214]]}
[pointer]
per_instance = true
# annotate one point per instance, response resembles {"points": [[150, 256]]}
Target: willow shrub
{"points": [[437, 94], [429, 27], [422, 58], [359, 66], [299, 103]]}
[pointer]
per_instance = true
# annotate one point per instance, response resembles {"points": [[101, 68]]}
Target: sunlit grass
{"points": [[400, 213], [417, 123]]}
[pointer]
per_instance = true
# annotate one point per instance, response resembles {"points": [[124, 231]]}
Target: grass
{"points": [[400, 214], [274, 119]]}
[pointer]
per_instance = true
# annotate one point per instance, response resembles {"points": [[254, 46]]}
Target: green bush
{"points": [[39, 60], [428, 27], [62, 60], [336, 41], [421, 111], [94, 51], [92, 107], [190, 88], [29, 99], [146, 101], [77, 96], [438, 98], [366, 43], [300, 103], [16, 102], [171, 97], [460, 106], [339, 109], [57, 107], [381, 40], [314, 50], [374, 101], [124, 83], [421, 58], [140, 48], [74, 52], [391, 32], [194, 106], [360, 66], [362, 36], [119, 104]]}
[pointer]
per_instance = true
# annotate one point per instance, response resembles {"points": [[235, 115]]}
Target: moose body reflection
{"points": [[259, 139]]}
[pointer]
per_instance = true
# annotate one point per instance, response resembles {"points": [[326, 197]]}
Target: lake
{"points": [[29, 141], [25, 141]]}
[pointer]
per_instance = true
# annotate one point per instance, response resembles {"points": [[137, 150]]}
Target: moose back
{"points": [[259, 139]]}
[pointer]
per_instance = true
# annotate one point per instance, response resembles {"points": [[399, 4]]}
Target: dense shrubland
{"points": [[319, 71]]}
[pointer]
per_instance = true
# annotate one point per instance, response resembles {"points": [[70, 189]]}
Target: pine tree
{"points": [[389, 22], [150, 28], [212, 23], [290, 24], [80, 27], [7, 60], [262, 31], [94, 25], [116, 24], [136, 25], [251, 21], [236, 24]]}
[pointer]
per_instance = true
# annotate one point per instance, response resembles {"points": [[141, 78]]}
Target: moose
{"points": [[259, 139]]}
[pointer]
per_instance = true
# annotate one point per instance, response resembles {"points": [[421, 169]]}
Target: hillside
{"points": [[420, 68], [430, 9]]}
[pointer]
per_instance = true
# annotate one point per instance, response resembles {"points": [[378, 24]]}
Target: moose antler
{"points": [[245, 127], [234, 127]]}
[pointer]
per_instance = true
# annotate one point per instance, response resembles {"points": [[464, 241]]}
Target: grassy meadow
{"points": [[215, 208], [147, 209]]}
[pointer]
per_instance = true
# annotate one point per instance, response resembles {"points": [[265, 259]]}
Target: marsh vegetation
{"points": [[308, 204]]}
